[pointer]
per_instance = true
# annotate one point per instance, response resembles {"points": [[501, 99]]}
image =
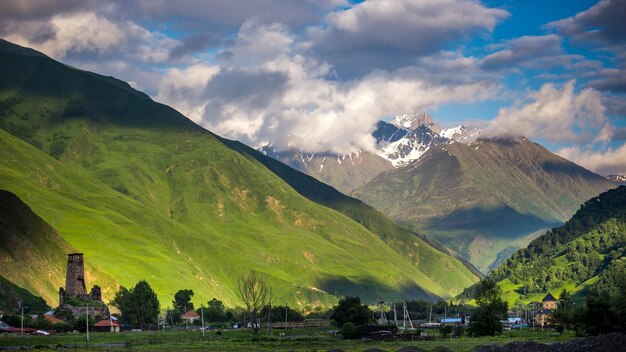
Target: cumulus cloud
{"points": [[602, 23], [522, 50], [257, 43], [40, 9], [603, 162], [613, 80], [90, 36], [288, 100], [81, 32], [392, 33], [220, 14], [196, 43], [555, 114]]}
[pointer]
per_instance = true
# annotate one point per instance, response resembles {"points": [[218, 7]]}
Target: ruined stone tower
{"points": [[75, 277]]}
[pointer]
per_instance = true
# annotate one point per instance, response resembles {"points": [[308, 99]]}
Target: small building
{"points": [[543, 317], [107, 326], [549, 302], [190, 317]]}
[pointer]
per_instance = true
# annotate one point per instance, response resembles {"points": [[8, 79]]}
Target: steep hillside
{"points": [[34, 255], [145, 193], [481, 197], [13, 297], [588, 250], [433, 260]]}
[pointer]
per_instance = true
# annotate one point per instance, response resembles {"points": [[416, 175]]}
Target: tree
{"points": [[350, 310], [563, 313], [216, 312], [486, 319], [182, 301], [254, 293], [139, 305]]}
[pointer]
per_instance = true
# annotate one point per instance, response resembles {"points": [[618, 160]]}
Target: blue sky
{"points": [[318, 74]]}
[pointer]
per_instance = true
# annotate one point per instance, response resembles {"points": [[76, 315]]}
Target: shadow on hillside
{"points": [[501, 221], [371, 291]]}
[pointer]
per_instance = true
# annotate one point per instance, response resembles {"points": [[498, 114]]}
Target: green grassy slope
{"points": [[32, 253], [480, 198], [13, 297], [435, 262], [145, 193], [588, 250]]}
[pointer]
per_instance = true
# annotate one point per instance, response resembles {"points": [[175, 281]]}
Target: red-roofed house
{"points": [[52, 319], [190, 316], [107, 326]]}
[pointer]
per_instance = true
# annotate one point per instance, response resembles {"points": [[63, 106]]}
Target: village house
{"points": [[107, 325], [190, 317], [548, 305]]}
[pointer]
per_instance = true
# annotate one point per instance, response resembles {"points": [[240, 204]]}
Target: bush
{"points": [[61, 327], [348, 331], [351, 310]]}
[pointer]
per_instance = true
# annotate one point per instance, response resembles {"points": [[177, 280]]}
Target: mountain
{"points": [[387, 133], [412, 146], [398, 142], [344, 172], [617, 178], [589, 250], [461, 134], [482, 197], [414, 120], [145, 193]]}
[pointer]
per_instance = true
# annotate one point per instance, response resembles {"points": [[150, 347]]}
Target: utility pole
{"points": [[269, 316], [404, 315], [395, 315], [202, 314], [87, 320], [430, 315], [22, 327], [186, 320], [286, 312]]}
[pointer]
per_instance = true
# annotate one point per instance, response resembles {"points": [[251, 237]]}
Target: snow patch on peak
{"points": [[461, 134], [413, 120], [412, 146]]}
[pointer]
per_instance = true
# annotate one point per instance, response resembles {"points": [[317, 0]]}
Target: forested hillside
{"points": [[588, 251]]}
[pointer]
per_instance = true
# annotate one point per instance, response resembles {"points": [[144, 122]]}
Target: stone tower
{"points": [[75, 278]]}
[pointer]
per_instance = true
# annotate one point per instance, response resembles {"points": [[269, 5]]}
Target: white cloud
{"points": [[290, 99], [602, 23], [89, 37], [392, 33], [79, 32], [257, 44], [556, 115], [604, 162]]}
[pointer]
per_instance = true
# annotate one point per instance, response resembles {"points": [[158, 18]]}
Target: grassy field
{"points": [[242, 340]]}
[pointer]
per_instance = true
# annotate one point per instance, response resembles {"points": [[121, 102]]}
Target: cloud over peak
{"points": [[555, 114]]}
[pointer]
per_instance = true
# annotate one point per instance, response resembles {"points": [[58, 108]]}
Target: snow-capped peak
{"points": [[411, 147], [413, 120], [461, 134]]}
